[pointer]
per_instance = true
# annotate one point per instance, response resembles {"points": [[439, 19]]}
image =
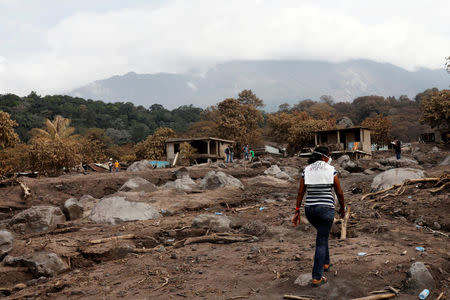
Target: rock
{"points": [[266, 163], [138, 166], [87, 202], [20, 286], [291, 171], [342, 159], [222, 165], [38, 219], [446, 161], [435, 149], [180, 173], [137, 184], [303, 279], [395, 176], [368, 172], [6, 243], [111, 250], [273, 170], [419, 278], [3, 216], [39, 280], [283, 175], [116, 209], [73, 209], [214, 180], [183, 183], [256, 228], [218, 223], [256, 165], [399, 163], [46, 264]]}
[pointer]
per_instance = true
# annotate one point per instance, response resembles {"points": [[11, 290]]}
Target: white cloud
{"points": [[184, 34]]}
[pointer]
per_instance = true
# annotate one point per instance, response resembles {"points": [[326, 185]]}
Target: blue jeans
{"points": [[228, 157], [321, 217], [398, 155]]}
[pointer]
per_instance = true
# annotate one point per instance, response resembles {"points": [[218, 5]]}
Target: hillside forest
{"points": [[54, 133]]}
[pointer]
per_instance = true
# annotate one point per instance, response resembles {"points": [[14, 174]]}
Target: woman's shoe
{"points": [[326, 267], [319, 282]]}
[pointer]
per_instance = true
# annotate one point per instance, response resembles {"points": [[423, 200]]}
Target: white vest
{"points": [[319, 173]]}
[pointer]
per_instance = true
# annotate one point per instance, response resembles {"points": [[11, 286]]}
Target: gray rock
{"points": [[283, 175], [419, 278], [214, 180], [304, 279], [87, 202], [181, 172], [435, 149], [273, 170], [291, 171], [256, 165], [218, 223], [38, 219], [137, 184], [446, 161], [73, 209], [6, 243], [266, 163], [368, 172], [343, 159], [256, 228], [222, 165], [184, 183], [46, 264], [116, 209], [395, 176], [138, 166], [399, 163]]}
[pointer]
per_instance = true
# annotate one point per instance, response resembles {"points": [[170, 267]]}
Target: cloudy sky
{"points": [[53, 46]]}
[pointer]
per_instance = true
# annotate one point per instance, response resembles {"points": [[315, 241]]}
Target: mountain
{"points": [[274, 81]]}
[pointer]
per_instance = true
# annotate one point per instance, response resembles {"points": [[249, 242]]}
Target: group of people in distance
{"points": [[249, 154], [116, 165]]}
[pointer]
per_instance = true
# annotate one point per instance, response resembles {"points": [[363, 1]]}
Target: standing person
{"points": [[116, 165], [245, 149], [231, 153], [318, 179], [397, 148], [110, 165], [252, 155], [227, 152]]}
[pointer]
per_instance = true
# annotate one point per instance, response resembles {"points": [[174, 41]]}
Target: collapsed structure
{"points": [[208, 148]]}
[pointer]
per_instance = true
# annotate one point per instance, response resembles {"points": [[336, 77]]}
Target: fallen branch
{"points": [[237, 297], [396, 291], [220, 238], [435, 231], [440, 296], [245, 208], [113, 238], [444, 186], [376, 297], [296, 297], [344, 223], [166, 281], [402, 187], [26, 190]]}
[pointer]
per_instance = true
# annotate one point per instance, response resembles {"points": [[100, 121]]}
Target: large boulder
{"points": [[218, 223], [446, 161], [347, 164], [138, 166], [395, 176], [399, 163], [214, 180], [37, 219], [46, 264], [138, 184], [291, 171], [419, 278], [73, 209], [116, 209], [184, 183], [6, 243], [87, 202], [276, 172]]}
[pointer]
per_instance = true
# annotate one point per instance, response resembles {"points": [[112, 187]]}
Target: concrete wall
{"points": [[170, 151], [366, 141]]}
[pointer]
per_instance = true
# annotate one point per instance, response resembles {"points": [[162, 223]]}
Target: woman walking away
{"points": [[317, 181]]}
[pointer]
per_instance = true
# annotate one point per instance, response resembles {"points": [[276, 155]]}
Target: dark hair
{"points": [[318, 153]]}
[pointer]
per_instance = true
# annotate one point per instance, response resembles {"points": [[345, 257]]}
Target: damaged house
{"points": [[208, 148]]}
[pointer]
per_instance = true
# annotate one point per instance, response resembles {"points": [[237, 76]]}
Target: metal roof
{"points": [[174, 140], [342, 129]]}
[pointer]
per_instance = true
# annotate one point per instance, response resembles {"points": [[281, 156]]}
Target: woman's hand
{"points": [[296, 218]]}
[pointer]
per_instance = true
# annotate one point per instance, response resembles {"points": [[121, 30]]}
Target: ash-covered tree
{"points": [[380, 127], [8, 137], [53, 148], [240, 120], [154, 146], [187, 152], [94, 145], [436, 108]]}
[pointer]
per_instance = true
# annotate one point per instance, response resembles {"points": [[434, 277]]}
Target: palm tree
{"points": [[56, 129]]}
